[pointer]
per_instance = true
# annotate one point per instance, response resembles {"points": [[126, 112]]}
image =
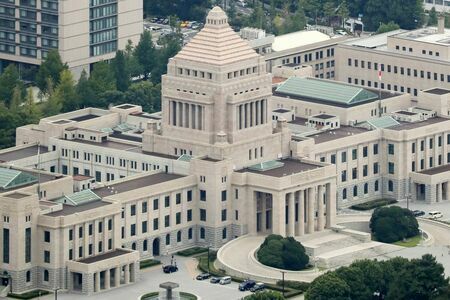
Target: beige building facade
{"points": [[84, 32], [131, 185]]}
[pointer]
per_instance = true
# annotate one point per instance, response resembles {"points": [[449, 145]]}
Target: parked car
{"points": [[258, 287], [203, 276], [435, 214], [418, 213], [170, 268], [214, 280], [246, 285], [225, 280]]}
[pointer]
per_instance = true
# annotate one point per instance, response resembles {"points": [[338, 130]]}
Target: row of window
{"points": [[242, 72], [194, 73], [424, 52], [395, 70]]}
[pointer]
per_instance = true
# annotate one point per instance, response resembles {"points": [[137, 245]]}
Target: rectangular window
{"points": [[144, 207], [224, 215], [155, 224], [133, 210], [343, 157], [202, 214], [344, 176], [354, 173], [47, 256], [365, 151], [224, 195], [144, 226], [155, 204], [47, 236], [189, 215], [355, 154], [178, 218], [133, 229], [202, 195], [333, 158], [189, 195], [413, 147], [375, 168], [391, 149], [167, 221], [391, 167], [167, 201], [27, 245], [365, 170]]}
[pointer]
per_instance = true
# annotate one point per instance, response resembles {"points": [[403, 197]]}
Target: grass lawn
{"points": [[411, 242]]}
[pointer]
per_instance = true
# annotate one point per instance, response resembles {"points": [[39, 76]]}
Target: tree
{"points": [[145, 53], [295, 22], [328, 10], [145, 94], [86, 96], [392, 224], [51, 67], [121, 72], [9, 80], [432, 17], [266, 295], [16, 99], [283, 253], [65, 90], [328, 286], [102, 78], [31, 112], [343, 12], [391, 26]]}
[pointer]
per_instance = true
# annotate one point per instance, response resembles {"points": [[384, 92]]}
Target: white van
{"points": [[435, 214], [225, 280]]}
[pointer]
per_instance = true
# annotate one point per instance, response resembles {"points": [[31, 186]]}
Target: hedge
{"points": [[192, 251], [148, 263], [373, 204], [29, 295]]}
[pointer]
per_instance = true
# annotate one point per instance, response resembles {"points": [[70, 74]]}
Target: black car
{"points": [[215, 279], [203, 276], [258, 287], [418, 213], [170, 268], [246, 285]]}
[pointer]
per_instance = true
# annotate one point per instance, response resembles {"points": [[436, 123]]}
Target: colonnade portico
{"points": [[295, 213], [431, 185]]}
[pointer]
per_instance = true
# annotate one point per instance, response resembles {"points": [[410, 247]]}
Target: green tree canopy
{"points": [[266, 295], [51, 67], [328, 286], [121, 72], [392, 224], [283, 253], [391, 26], [432, 17], [9, 80], [145, 53]]}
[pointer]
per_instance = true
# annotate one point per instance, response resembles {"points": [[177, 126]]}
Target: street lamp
{"points": [[282, 279], [56, 293], [408, 197]]}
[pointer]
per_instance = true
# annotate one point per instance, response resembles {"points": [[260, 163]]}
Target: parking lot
{"points": [[151, 278], [443, 207]]}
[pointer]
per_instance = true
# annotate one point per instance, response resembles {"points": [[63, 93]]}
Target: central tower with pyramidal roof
{"points": [[215, 99]]}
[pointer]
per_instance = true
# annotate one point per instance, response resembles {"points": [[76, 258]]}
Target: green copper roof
{"points": [[185, 157], [82, 197], [265, 166], [10, 178], [383, 122], [323, 90]]}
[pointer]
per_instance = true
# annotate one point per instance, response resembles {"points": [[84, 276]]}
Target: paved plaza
{"points": [[152, 277]]}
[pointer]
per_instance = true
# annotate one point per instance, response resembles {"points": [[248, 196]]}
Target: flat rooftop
{"points": [[298, 39], [289, 167], [374, 41], [414, 125], [342, 132], [107, 255], [323, 116], [436, 170], [135, 183], [84, 117], [126, 137], [22, 153], [438, 91], [68, 210], [107, 144], [427, 35]]}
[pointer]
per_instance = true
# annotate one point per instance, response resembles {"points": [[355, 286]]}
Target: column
{"points": [[186, 118], [252, 212], [291, 214], [263, 214], [181, 114], [310, 215], [279, 214], [301, 213], [97, 282], [253, 113], [258, 112], [107, 279], [320, 209], [127, 274], [192, 118], [247, 115], [200, 117], [117, 274], [263, 112], [439, 192], [132, 272], [330, 192], [414, 191], [447, 191]]}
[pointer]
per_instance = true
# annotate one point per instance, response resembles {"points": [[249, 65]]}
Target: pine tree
{"points": [[121, 72], [145, 53]]}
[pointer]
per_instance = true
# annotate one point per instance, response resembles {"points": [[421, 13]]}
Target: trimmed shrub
{"points": [[373, 204], [29, 295], [148, 263], [296, 285], [393, 224], [192, 251], [283, 253]]}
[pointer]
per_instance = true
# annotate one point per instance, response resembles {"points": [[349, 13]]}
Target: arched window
{"points": [[168, 239], [28, 276], [390, 186], [46, 275], [366, 188], [133, 246], [202, 233], [344, 194], [355, 191], [179, 236], [377, 187], [145, 245]]}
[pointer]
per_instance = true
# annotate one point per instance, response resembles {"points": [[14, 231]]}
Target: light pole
{"points": [[408, 196], [56, 293], [208, 256], [282, 279]]}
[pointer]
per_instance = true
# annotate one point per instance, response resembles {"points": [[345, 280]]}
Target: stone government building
{"points": [[86, 195]]}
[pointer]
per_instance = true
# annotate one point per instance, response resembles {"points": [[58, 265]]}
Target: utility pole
{"points": [[282, 279]]}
